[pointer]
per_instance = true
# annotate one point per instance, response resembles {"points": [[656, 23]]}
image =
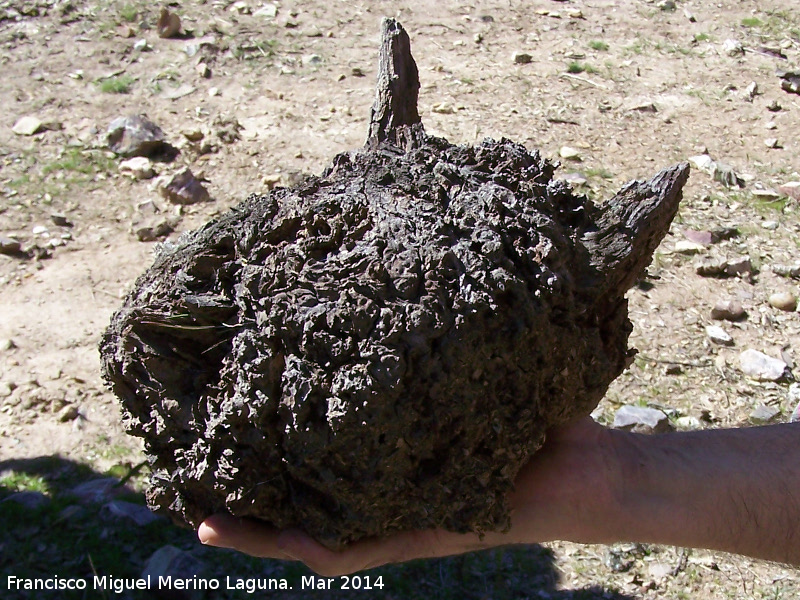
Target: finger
{"points": [[245, 535]]}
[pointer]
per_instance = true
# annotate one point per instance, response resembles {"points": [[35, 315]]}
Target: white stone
{"points": [[764, 413], [718, 335], [640, 419], [688, 422], [732, 47], [27, 126], [139, 167], [704, 163], [761, 367], [688, 247], [569, 153], [267, 11]]}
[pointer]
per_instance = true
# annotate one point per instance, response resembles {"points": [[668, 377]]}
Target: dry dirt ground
{"points": [[632, 86]]}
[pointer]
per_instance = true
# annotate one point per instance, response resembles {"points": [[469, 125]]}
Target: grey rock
{"points": [[10, 246], [169, 561], [794, 400], [703, 162], [643, 107], [660, 570], [791, 189], [711, 266], [640, 419], [764, 413], [203, 70], [761, 367], [267, 11], [141, 515], [575, 179], [180, 92], [783, 301], [569, 153], [739, 266], [688, 247], [29, 499], [73, 511], [727, 176], [688, 423], [728, 310], [135, 135], [97, 491], [311, 60], [718, 335], [791, 81], [27, 125], [792, 271], [770, 225], [732, 48], [706, 238], [7, 344], [184, 188], [68, 413], [152, 227], [521, 58], [142, 46], [751, 91], [6, 389], [60, 220]]}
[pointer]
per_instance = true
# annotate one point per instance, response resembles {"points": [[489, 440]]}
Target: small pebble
{"points": [[718, 335], [764, 413], [27, 126], [569, 153], [728, 310], [688, 247], [521, 58], [783, 301]]}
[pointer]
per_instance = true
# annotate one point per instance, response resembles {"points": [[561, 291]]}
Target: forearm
{"points": [[735, 490]]}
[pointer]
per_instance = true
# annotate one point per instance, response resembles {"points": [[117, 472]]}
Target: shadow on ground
{"points": [[62, 521]]}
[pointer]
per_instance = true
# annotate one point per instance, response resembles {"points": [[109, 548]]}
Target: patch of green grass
{"points": [[638, 47], [129, 13], [578, 67], [117, 85], [599, 172], [598, 45], [24, 482], [767, 206], [752, 22], [702, 37], [254, 50]]}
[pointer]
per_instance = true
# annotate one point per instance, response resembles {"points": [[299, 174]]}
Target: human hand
{"points": [[561, 493]]}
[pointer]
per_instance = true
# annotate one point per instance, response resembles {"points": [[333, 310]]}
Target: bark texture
{"points": [[381, 347]]}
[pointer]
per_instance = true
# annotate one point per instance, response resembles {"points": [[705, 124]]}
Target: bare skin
{"points": [[735, 490]]}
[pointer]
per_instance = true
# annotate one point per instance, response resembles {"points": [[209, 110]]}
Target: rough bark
{"points": [[382, 347]]}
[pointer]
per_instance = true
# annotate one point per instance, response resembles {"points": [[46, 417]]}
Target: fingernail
{"points": [[205, 534]]}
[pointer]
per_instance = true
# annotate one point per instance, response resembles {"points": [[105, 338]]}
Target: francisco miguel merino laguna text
{"points": [[121, 584]]}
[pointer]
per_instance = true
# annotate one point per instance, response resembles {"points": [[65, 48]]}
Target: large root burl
{"points": [[381, 348]]}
